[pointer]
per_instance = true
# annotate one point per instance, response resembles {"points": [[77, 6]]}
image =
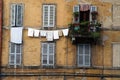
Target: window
{"points": [[83, 12], [16, 15], [84, 52], [48, 15], [116, 55], [15, 55], [48, 51]]}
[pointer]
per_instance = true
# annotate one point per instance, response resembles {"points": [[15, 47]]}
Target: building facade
{"points": [[60, 40]]}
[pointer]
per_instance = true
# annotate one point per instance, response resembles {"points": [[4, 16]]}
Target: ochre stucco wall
{"points": [[65, 54]]}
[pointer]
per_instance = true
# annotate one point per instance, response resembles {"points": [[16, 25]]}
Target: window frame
{"points": [[83, 55], [15, 53], [48, 54], [48, 19]]}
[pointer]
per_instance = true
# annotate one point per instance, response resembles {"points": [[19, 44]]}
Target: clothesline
{"points": [[49, 34]]}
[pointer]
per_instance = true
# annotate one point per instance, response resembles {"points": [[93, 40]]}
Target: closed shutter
{"points": [[45, 15], [52, 15], [47, 54], [12, 54], [116, 55], [19, 17], [44, 53], [87, 55], [51, 53], [15, 54], [13, 11], [18, 54], [84, 55], [80, 55], [48, 15]]}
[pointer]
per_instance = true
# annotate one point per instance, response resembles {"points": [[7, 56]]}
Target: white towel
{"points": [[49, 35], [43, 33], [30, 32], [65, 32], [56, 36], [36, 33], [16, 35]]}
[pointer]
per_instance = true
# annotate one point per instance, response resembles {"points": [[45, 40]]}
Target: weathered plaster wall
{"points": [[65, 51]]}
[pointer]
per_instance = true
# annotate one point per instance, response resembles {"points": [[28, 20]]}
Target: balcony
{"points": [[85, 32]]}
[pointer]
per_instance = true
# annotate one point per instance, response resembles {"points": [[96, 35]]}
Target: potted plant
{"points": [[76, 14]]}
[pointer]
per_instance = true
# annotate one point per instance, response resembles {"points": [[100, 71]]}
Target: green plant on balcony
{"points": [[85, 28], [76, 14]]}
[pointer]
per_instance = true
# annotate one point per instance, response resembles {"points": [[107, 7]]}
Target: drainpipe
{"points": [[1, 4]]}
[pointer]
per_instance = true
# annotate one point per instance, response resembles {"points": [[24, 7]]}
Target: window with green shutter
{"points": [[48, 52], [15, 55], [16, 15]]}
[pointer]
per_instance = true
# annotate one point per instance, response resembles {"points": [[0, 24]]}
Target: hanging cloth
{"points": [[43, 33], [65, 32], [49, 35], [16, 35], [56, 35], [30, 32], [36, 33], [84, 7]]}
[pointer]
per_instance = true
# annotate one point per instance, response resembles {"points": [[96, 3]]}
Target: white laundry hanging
{"points": [[36, 33], [30, 32], [65, 32], [43, 33], [16, 35], [49, 35], [56, 36]]}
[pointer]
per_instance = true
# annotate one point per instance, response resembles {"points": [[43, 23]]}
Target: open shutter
{"points": [[12, 54], [13, 11], [51, 53], [19, 17], [45, 15], [44, 53], [51, 15], [76, 9], [92, 8]]}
